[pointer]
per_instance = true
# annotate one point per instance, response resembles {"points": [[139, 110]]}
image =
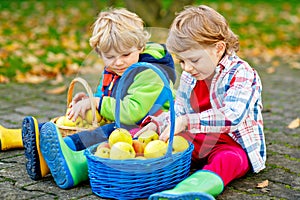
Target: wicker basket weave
{"points": [[133, 178], [67, 130]]}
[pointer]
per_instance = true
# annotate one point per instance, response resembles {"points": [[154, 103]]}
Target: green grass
{"points": [[37, 29]]}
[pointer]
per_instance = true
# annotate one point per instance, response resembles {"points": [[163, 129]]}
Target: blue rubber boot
{"points": [[35, 165], [68, 167], [202, 185]]}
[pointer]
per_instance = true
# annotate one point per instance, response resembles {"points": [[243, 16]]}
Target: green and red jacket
{"points": [[142, 89]]}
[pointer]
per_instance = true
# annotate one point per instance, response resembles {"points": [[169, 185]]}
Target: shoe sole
{"points": [[53, 155], [32, 154], [184, 196]]}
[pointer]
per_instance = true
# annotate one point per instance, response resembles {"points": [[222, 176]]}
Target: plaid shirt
{"points": [[235, 95]]}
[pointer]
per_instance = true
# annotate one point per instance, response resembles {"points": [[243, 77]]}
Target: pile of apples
{"points": [[121, 145], [80, 122]]}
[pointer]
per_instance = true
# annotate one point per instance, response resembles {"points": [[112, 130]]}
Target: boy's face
{"points": [[199, 62], [117, 62]]}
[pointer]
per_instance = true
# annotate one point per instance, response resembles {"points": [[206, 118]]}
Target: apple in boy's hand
{"points": [[122, 151], [120, 135], [155, 149], [179, 144], [89, 116], [148, 136], [138, 147], [69, 122]]}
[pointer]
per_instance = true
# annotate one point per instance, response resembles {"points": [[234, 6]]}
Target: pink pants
{"points": [[219, 153]]}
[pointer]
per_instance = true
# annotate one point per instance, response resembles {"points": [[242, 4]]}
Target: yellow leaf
{"points": [[270, 70], [294, 124], [295, 65], [59, 79], [57, 90], [4, 79], [29, 78], [263, 184]]}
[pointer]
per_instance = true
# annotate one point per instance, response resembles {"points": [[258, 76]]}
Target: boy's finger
{"points": [[137, 134], [165, 134]]}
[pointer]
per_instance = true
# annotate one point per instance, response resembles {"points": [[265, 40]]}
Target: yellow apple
{"points": [[121, 151], [103, 144], [103, 152], [155, 149], [120, 135], [60, 121], [148, 136], [89, 116], [69, 122], [138, 147], [140, 158], [179, 144]]}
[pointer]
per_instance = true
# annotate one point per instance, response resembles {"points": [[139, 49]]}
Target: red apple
{"points": [[138, 147]]}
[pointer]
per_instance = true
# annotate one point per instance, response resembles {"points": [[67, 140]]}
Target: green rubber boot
{"points": [[68, 167], [203, 184]]}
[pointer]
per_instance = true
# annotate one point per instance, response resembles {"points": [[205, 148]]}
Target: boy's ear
{"points": [[220, 46]]}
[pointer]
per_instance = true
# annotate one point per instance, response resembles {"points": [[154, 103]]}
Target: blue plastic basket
{"points": [[133, 178]]}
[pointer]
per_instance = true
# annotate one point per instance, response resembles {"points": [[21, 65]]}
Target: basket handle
{"points": [[166, 88], [89, 92]]}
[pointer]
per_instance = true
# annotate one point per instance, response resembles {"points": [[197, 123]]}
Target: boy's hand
{"points": [[78, 97], [150, 126], [181, 123], [79, 108]]}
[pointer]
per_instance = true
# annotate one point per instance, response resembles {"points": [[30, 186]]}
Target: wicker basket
{"points": [[67, 130], [133, 178]]}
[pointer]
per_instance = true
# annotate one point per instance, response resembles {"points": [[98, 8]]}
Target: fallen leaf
{"points": [[294, 124], [29, 78], [59, 79], [270, 70], [263, 184], [57, 90], [265, 190], [4, 79], [295, 65]]}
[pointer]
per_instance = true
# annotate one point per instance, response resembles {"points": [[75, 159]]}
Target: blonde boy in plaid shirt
{"points": [[218, 105]]}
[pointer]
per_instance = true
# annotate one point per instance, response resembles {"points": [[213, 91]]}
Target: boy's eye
{"points": [[180, 61], [194, 61], [109, 57], [127, 54]]}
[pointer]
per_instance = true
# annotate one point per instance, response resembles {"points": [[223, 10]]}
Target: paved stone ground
{"points": [[281, 101]]}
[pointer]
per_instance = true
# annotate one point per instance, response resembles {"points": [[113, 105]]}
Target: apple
{"points": [[103, 144], [138, 147], [60, 121], [121, 151], [148, 136], [155, 149], [140, 158], [120, 135], [89, 116], [102, 151], [69, 122], [179, 144]]}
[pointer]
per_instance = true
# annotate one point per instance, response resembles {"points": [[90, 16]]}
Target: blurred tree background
{"points": [[41, 40]]}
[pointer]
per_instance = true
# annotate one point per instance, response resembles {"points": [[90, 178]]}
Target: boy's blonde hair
{"points": [[118, 29], [201, 25]]}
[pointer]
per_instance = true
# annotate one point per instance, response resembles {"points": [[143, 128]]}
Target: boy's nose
{"points": [[119, 61], [186, 67]]}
